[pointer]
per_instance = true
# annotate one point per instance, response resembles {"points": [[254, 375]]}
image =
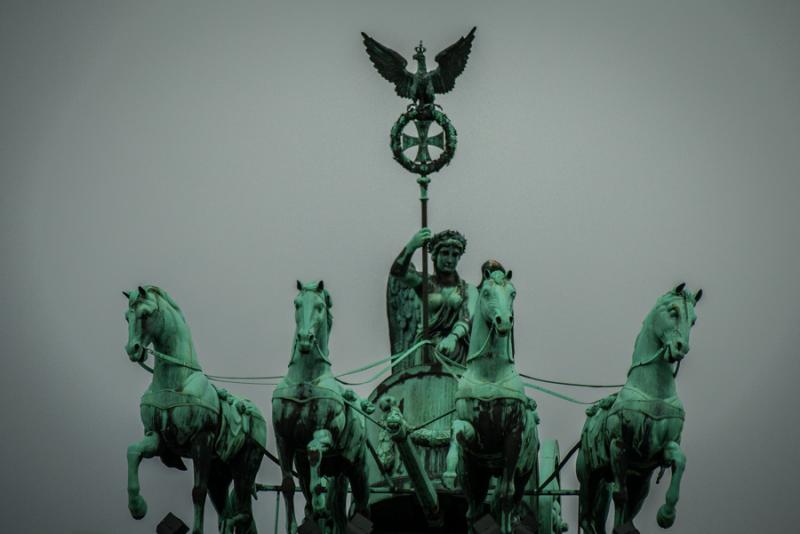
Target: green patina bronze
{"points": [[494, 434], [630, 433], [185, 416], [422, 118], [319, 426], [456, 448], [450, 299], [423, 85]]}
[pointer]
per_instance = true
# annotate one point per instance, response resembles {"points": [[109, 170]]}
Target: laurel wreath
{"points": [[450, 140]]}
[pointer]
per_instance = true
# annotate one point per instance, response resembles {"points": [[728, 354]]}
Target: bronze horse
{"points": [[317, 427], [628, 434], [495, 427], [185, 416]]}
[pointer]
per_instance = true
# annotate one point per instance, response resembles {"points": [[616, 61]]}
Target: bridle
{"points": [[160, 355]]}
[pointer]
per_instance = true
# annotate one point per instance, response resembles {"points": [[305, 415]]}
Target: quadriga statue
{"points": [[629, 434]]}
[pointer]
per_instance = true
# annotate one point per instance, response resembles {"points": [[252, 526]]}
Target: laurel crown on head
{"points": [[447, 237]]}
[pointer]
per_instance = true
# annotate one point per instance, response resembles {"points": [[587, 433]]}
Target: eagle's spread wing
{"points": [[390, 65], [452, 61]]}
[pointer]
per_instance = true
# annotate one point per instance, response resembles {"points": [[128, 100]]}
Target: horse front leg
{"points": [[506, 489], [147, 447], [474, 481], [676, 459], [586, 492], [620, 490], [316, 449], [286, 456], [592, 494], [359, 484], [202, 450], [460, 431], [239, 509]]}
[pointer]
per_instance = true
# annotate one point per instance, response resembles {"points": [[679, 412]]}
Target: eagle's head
{"points": [[419, 56]]}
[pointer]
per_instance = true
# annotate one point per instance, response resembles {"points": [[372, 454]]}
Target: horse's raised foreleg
{"points": [[316, 449], [304, 475], [676, 459], [286, 457], [202, 450], [146, 448], [461, 432], [474, 478]]}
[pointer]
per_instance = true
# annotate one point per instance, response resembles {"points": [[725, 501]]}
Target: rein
{"points": [[167, 358], [492, 329], [659, 353]]}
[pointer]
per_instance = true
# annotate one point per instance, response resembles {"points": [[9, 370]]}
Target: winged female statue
{"points": [[451, 299]]}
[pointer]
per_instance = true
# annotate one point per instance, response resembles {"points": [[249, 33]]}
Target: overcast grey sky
{"points": [[607, 151]]}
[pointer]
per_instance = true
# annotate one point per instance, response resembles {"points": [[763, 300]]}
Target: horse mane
{"points": [[498, 276], [490, 266], [669, 296], [165, 296], [328, 306]]}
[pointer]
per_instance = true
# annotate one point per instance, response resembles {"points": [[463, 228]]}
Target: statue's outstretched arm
{"points": [[401, 266]]}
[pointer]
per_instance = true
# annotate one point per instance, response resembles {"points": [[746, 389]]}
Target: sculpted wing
{"points": [[390, 65], [402, 305], [452, 61]]}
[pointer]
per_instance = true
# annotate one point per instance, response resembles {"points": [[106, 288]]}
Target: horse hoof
{"points": [[138, 507], [449, 480], [665, 516]]}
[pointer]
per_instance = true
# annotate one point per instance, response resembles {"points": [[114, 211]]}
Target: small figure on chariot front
{"points": [[450, 298]]}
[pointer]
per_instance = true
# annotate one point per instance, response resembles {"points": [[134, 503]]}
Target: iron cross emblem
{"points": [[423, 141]]}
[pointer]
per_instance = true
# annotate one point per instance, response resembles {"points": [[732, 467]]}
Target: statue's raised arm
{"points": [[449, 298]]}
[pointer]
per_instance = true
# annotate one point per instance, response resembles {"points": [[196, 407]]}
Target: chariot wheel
{"points": [[548, 507]]}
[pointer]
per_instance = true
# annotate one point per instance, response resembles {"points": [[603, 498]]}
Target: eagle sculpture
{"points": [[423, 85]]}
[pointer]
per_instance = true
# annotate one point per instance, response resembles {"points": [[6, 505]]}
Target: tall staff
{"points": [[421, 87], [423, 182]]}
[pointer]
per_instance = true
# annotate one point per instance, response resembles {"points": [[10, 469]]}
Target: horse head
{"points": [[672, 319], [151, 312], [142, 318], [496, 301], [313, 318]]}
